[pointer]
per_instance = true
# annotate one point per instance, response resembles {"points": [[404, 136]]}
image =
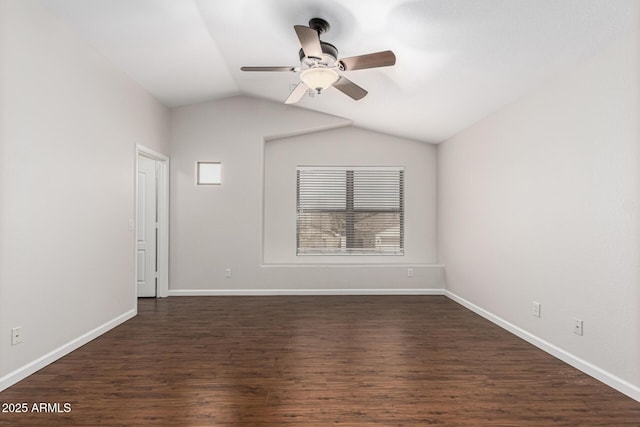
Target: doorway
{"points": [[152, 237]]}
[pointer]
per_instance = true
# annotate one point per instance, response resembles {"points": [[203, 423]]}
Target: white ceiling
{"points": [[457, 60]]}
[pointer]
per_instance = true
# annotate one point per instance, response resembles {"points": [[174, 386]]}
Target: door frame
{"points": [[162, 288]]}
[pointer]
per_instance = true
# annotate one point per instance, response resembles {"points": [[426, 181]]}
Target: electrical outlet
{"points": [[227, 273], [16, 335], [577, 326], [536, 309], [409, 272]]}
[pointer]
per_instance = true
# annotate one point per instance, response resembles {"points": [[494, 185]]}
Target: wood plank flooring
{"points": [[314, 361]]}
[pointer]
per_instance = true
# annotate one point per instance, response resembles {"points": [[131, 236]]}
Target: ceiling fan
{"points": [[320, 67]]}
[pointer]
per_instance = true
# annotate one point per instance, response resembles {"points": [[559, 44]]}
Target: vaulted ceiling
{"points": [[457, 60]]}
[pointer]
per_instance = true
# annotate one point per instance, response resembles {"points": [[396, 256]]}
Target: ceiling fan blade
{"points": [[371, 60], [350, 89], [297, 93], [268, 68], [309, 41]]}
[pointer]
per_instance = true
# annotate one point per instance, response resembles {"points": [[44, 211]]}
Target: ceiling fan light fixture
{"points": [[319, 78]]}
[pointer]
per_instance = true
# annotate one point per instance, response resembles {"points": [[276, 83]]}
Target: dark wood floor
{"points": [[314, 361]]}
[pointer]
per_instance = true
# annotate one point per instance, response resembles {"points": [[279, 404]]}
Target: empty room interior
{"points": [[278, 212]]}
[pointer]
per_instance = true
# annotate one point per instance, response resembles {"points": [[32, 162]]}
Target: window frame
{"points": [[350, 212]]}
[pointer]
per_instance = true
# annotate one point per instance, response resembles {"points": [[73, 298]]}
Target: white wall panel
{"points": [[540, 202], [349, 147], [70, 122], [219, 227]]}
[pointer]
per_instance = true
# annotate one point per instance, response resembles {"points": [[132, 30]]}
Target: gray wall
{"points": [[219, 227], [70, 122], [349, 147], [539, 202]]}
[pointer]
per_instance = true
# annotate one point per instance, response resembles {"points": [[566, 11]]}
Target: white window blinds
{"points": [[350, 210]]}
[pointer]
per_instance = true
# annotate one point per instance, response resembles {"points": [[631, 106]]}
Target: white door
{"points": [[146, 240]]}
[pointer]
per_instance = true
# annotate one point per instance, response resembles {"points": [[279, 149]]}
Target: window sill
{"points": [[355, 264]]}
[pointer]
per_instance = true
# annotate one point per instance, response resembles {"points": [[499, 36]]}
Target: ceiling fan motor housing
{"points": [[320, 25], [327, 49]]}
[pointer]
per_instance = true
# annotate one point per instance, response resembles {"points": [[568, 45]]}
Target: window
{"points": [[209, 173], [350, 211]]}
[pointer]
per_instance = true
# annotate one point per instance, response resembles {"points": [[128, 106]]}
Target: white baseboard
{"points": [[598, 373], [30, 368], [265, 292]]}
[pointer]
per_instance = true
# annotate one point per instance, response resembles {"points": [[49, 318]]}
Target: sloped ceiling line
{"points": [[457, 60]]}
